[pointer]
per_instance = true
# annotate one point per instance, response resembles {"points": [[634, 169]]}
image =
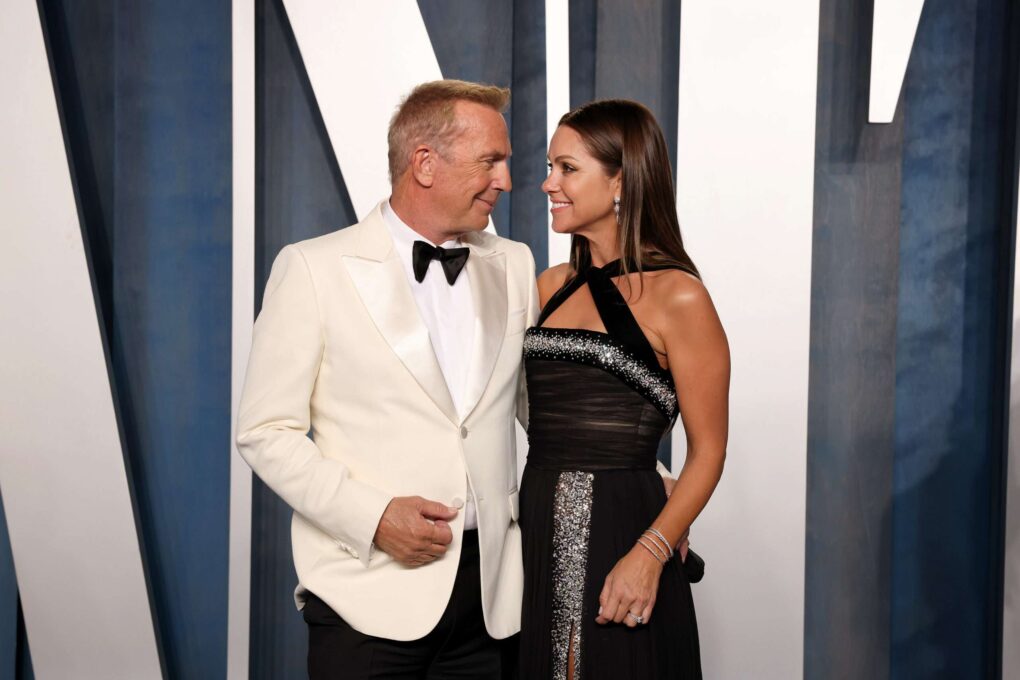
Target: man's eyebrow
{"points": [[495, 155]]}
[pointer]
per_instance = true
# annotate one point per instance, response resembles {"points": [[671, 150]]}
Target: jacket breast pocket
{"points": [[517, 321]]}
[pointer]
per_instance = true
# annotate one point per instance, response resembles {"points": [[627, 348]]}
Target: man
{"points": [[396, 343]]}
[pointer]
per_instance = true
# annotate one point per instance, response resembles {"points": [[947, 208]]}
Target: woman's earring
{"points": [[616, 207]]}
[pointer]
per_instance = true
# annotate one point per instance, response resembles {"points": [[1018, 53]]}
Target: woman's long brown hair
{"points": [[623, 135]]}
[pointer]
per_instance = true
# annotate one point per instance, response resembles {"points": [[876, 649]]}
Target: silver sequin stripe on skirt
{"points": [[571, 528]]}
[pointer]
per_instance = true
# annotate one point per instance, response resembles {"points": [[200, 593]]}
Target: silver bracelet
{"points": [[657, 553], [658, 534]]}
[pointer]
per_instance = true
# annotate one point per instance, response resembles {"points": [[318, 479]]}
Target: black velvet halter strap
{"points": [[612, 307]]}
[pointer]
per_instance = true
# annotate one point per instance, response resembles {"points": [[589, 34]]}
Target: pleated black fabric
{"points": [[597, 410]]}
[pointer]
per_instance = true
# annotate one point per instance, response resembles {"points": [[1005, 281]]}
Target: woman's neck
{"points": [[603, 247]]}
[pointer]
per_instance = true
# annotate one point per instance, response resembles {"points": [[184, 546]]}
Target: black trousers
{"points": [[457, 648]]}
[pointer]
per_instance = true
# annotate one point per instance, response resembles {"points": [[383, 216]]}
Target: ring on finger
{"points": [[638, 619]]}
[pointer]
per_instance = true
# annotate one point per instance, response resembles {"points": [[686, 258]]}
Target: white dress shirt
{"points": [[449, 315]]}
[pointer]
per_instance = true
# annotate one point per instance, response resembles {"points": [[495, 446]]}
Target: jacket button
{"points": [[463, 432], [457, 503]]}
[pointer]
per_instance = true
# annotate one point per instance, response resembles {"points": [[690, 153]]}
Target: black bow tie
{"points": [[452, 259]]}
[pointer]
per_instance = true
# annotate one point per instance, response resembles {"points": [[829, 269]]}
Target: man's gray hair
{"points": [[426, 116]]}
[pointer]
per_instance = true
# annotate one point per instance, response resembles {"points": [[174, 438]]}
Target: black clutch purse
{"points": [[694, 567]]}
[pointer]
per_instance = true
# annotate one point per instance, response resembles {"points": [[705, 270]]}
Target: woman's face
{"points": [[579, 190]]}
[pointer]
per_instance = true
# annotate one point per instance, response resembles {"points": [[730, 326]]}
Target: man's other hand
{"points": [[414, 531]]}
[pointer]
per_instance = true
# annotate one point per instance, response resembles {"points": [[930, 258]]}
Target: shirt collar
{"points": [[403, 235]]}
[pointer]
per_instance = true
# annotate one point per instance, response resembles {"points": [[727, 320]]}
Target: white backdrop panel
{"points": [[62, 473], [745, 178], [1011, 589], [242, 315], [362, 58], [892, 38], [557, 98]]}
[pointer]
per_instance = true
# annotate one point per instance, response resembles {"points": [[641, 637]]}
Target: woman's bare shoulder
{"points": [[551, 280], [683, 301], [674, 289]]}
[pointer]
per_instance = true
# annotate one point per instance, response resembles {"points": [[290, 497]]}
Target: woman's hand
{"points": [[631, 588]]}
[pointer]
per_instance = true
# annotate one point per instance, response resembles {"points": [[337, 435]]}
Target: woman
{"points": [[628, 339]]}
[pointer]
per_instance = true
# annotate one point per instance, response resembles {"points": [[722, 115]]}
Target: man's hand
{"points": [[414, 531]]}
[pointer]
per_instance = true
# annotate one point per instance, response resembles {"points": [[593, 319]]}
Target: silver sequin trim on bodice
{"points": [[571, 529], [598, 349]]}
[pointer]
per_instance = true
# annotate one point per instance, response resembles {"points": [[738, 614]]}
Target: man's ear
{"points": [[423, 165]]}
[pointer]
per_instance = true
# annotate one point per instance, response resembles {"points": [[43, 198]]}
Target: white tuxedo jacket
{"points": [[345, 407]]}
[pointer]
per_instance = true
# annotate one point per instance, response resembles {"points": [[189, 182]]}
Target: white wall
{"points": [[362, 58], [745, 179], [557, 99], [62, 472], [1011, 590], [242, 316], [894, 27]]}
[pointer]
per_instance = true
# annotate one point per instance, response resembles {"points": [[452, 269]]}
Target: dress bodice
{"points": [[597, 400]]}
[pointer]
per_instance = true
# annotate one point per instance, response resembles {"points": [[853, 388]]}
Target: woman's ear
{"points": [[423, 165], [616, 184]]}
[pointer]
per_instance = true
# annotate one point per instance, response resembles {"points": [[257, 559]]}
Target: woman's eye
{"points": [[567, 168]]}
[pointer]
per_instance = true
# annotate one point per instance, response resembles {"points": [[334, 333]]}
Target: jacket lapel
{"points": [[487, 269], [382, 285]]}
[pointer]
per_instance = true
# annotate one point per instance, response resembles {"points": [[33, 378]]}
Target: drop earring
{"points": [[616, 207]]}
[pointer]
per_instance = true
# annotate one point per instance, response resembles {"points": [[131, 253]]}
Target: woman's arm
{"points": [[699, 360]]}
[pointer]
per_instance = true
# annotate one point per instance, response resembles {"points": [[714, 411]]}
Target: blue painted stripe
{"points": [[145, 93], [583, 20], [529, 207], [509, 53], [606, 62], [949, 353], [8, 603], [300, 193], [172, 302], [79, 41], [23, 662], [451, 25], [852, 379], [15, 655]]}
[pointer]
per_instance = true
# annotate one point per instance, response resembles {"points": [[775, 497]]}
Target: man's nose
{"points": [[502, 180]]}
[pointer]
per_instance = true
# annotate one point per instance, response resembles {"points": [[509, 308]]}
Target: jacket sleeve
{"points": [[532, 317], [275, 417]]}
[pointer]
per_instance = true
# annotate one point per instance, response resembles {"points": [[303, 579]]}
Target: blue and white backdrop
{"points": [[846, 179]]}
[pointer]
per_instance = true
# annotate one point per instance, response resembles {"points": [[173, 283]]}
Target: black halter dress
{"points": [[598, 405]]}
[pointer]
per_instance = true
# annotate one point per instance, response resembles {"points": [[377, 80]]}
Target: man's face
{"points": [[473, 171]]}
